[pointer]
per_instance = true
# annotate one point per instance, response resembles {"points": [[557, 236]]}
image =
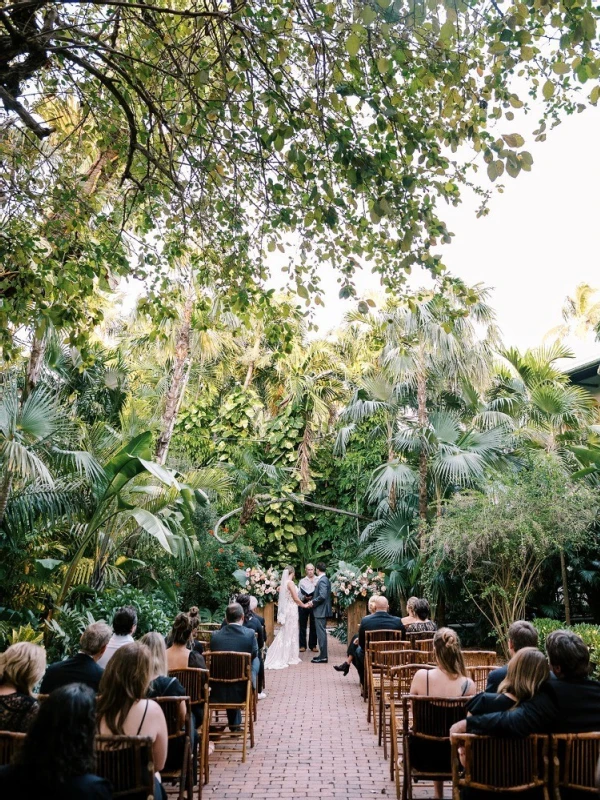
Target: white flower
{"points": [[346, 591]]}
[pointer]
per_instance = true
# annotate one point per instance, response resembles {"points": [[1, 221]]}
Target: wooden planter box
{"points": [[356, 612], [268, 612]]}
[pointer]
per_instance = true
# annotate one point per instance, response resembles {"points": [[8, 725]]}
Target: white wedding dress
{"points": [[284, 652]]}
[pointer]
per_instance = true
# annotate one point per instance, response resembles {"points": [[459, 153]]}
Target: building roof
{"points": [[585, 374]]}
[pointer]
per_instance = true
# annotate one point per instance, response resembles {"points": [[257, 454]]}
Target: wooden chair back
{"points": [[401, 678], [479, 675], [575, 757], [492, 764], [209, 626], [195, 682], [432, 717], [203, 635], [419, 636], [480, 658], [10, 743], [383, 635], [424, 645], [41, 698], [127, 763], [178, 715], [228, 667]]}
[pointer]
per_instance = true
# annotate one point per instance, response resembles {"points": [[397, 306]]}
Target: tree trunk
{"points": [[177, 383], [249, 375], [5, 494], [440, 611], [423, 420], [565, 586], [35, 363]]}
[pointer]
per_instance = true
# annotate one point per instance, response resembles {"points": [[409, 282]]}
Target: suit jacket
{"points": [[495, 678], [561, 706], [322, 598], [378, 621], [79, 669], [253, 624], [237, 639]]}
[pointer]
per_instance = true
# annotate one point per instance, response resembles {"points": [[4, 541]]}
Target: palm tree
{"points": [[581, 314]]}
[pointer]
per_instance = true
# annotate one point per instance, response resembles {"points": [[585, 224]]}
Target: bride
{"points": [[284, 650]]}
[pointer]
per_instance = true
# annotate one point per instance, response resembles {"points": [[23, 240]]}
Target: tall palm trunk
{"points": [[565, 587], [423, 420], [35, 363], [249, 375], [177, 384], [5, 488]]}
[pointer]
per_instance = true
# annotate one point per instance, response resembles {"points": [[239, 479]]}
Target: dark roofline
{"points": [[583, 371]]}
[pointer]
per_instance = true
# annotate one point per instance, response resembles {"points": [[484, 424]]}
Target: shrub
{"points": [[589, 633], [155, 611]]}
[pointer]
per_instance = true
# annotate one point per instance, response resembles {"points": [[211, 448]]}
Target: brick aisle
{"points": [[337, 756]]}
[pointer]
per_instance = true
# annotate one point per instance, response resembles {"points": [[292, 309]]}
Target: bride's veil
{"points": [[283, 597]]}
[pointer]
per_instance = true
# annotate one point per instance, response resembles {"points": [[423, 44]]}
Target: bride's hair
{"points": [[291, 570]]}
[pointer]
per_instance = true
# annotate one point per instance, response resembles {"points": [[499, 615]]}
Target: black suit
{"points": [[495, 678], [378, 621], [236, 639], [561, 706], [79, 669]]}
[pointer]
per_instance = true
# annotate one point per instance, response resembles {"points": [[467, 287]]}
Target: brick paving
{"points": [[312, 740]]}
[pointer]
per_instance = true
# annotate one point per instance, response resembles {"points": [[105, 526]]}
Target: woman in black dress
{"points": [[56, 761], [21, 667]]}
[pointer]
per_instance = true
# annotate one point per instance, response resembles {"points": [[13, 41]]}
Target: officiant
{"points": [[306, 590]]}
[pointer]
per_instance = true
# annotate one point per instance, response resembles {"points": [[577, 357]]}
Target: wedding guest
{"points": [[179, 655], [253, 609], [520, 634], [21, 667], [351, 651], [195, 644], [447, 679], [234, 637], [410, 611], [527, 671], [56, 761], [123, 707], [83, 667], [422, 623], [569, 704], [124, 625], [252, 621], [306, 590], [380, 619]]}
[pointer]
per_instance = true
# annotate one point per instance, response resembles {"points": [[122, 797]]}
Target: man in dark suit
{"points": [[83, 667], [321, 608], [379, 620], [234, 637], [520, 634], [569, 704]]}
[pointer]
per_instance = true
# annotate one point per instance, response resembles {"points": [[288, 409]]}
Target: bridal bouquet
{"points": [[262, 583], [351, 583]]}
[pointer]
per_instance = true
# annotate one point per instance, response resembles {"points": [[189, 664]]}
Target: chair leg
{"points": [[246, 723]]}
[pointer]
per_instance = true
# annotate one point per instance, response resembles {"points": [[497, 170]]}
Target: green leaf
{"points": [[514, 140], [548, 89], [369, 15], [152, 525], [353, 44]]}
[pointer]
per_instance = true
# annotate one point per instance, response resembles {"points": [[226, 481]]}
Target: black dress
{"points": [[21, 783], [17, 712]]}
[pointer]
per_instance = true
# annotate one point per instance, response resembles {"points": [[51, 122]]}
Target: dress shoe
{"points": [[345, 668], [318, 660], [303, 649], [314, 649]]}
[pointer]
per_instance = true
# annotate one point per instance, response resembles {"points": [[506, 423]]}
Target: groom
{"points": [[321, 606]]}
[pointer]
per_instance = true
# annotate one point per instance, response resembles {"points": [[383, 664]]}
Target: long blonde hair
{"points": [[448, 654], [22, 666], [527, 670], [156, 644]]}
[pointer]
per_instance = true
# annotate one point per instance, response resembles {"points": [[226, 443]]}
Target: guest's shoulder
{"points": [[488, 703], [90, 787]]}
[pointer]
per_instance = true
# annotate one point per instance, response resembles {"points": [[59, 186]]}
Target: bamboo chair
{"points": [[195, 683], [127, 763], [227, 669], [426, 744], [479, 676], [180, 736], [575, 757], [209, 626], [493, 765], [480, 658], [401, 679], [424, 645], [10, 744], [419, 636], [382, 635], [41, 698], [203, 635], [384, 656], [373, 667]]}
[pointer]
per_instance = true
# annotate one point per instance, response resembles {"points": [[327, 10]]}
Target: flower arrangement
{"points": [[262, 583], [352, 583]]}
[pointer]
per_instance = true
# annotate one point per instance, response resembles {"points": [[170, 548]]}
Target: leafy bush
{"points": [[589, 633], [155, 611]]}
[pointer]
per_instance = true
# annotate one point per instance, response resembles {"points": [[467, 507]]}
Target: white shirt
{"points": [[307, 585], [111, 648]]}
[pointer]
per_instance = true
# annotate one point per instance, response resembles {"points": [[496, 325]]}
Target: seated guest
{"points": [[353, 644], [124, 625], [261, 673], [527, 671], [253, 609], [410, 611], [234, 637], [253, 622], [520, 634], [179, 654], [83, 667], [380, 619], [569, 704], [123, 708], [422, 623], [56, 761], [195, 619], [448, 679], [21, 667]]}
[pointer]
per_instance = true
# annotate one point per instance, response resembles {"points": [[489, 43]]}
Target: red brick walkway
{"points": [[312, 740]]}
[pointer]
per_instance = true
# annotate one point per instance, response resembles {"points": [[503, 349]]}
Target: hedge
{"points": [[589, 633]]}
